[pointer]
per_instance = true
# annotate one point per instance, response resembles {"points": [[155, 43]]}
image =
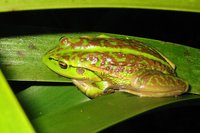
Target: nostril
{"points": [[50, 58]]}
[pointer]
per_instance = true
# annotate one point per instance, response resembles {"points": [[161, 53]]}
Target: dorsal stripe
{"points": [[91, 49]]}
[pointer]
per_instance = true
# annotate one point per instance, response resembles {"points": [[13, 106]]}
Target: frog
{"points": [[100, 65]]}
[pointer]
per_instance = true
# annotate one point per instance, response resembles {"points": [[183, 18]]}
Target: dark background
{"points": [[177, 118], [178, 27]]}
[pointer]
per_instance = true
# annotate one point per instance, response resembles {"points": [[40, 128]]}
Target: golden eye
{"points": [[62, 65]]}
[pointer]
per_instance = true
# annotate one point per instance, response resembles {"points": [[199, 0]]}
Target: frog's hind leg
{"points": [[93, 89], [156, 84]]}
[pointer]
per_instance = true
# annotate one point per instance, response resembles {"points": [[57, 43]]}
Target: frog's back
{"points": [[114, 56], [109, 45]]}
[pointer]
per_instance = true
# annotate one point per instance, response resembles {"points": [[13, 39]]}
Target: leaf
{"points": [[61, 108], [23, 55], [180, 5], [41, 100], [65, 109], [12, 116]]}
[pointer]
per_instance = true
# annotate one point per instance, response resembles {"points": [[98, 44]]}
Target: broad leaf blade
{"points": [[41, 100], [64, 109], [59, 108], [12, 117], [180, 5], [23, 55]]}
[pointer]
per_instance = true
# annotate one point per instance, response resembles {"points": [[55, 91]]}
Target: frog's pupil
{"points": [[63, 65]]}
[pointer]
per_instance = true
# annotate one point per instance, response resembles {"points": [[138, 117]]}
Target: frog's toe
{"points": [[108, 90]]}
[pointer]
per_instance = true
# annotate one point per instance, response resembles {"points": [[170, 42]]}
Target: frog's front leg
{"points": [[157, 84], [93, 89]]}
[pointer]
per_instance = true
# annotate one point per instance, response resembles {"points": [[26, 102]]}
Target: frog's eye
{"points": [[63, 65]]}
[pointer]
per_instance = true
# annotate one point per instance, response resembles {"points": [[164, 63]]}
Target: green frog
{"points": [[103, 64]]}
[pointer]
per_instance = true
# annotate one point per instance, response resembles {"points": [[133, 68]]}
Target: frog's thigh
{"points": [[157, 84], [92, 90]]}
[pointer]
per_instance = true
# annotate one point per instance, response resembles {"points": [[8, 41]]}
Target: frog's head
{"points": [[59, 61], [55, 60]]}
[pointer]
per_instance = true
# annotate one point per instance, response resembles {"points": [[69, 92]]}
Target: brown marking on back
{"points": [[92, 59], [106, 61], [119, 69], [66, 58], [77, 44], [59, 49], [106, 43]]}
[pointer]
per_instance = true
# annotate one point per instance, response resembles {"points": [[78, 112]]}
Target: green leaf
{"points": [[23, 55], [58, 108], [12, 117], [65, 109], [180, 5], [41, 100]]}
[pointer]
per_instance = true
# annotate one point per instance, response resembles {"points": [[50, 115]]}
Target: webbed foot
{"points": [[93, 90]]}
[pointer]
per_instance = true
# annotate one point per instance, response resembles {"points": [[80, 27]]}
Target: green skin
{"points": [[102, 65]]}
